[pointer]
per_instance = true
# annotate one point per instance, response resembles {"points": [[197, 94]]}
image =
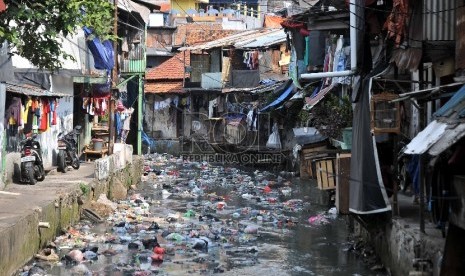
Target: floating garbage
{"points": [[192, 215], [318, 220]]}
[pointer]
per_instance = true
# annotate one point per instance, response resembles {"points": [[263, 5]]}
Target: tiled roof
{"points": [[172, 69], [161, 87], [165, 7]]}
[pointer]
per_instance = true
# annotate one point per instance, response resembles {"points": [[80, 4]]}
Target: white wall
{"points": [[70, 46], [48, 140], [2, 130], [233, 24]]}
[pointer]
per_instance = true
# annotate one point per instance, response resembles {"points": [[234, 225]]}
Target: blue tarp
{"points": [[454, 106], [101, 51], [280, 99]]}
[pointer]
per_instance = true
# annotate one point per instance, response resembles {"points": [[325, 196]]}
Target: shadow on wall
{"points": [[12, 170], [165, 146]]}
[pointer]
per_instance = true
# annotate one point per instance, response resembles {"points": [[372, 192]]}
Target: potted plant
{"points": [[333, 118], [103, 120]]}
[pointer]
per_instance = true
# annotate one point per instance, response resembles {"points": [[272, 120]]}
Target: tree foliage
{"points": [[35, 28], [332, 115]]}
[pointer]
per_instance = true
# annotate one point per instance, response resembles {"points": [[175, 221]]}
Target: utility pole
{"points": [[114, 82], [139, 116]]}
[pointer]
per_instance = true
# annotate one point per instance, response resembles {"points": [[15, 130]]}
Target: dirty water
{"points": [[212, 219]]}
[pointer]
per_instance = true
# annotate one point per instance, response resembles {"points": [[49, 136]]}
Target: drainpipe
{"points": [[353, 50], [139, 117]]}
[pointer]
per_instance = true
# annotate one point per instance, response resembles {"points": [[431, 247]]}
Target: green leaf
{"points": [[40, 23]]}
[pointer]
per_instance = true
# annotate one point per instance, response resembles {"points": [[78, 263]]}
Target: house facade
{"points": [[406, 74], [23, 84]]}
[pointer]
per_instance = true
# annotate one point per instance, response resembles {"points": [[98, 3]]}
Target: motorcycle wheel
{"points": [[41, 172], [76, 164], [61, 162], [30, 176]]}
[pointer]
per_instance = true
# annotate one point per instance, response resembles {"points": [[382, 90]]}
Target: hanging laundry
{"points": [[13, 112], [126, 124], [44, 121], [160, 105], [211, 108], [53, 108], [252, 118], [28, 116], [176, 101]]}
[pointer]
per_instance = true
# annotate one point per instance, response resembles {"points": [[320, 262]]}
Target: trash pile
{"points": [[185, 218]]}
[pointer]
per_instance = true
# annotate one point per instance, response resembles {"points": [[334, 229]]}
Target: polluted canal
{"points": [[189, 218]]}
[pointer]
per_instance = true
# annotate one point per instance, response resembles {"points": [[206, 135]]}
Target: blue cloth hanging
{"points": [[101, 51]]}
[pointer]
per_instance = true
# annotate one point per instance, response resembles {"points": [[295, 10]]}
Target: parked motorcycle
{"points": [[67, 150], [32, 166]]}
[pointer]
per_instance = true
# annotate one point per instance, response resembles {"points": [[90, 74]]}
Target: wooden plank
{"points": [[460, 40], [342, 183], [311, 174], [325, 174], [310, 150], [330, 174], [319, 175]]}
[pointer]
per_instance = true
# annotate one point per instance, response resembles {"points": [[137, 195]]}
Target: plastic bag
{"points": [[273, 141]]}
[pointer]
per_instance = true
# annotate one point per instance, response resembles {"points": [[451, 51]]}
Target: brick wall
{"points": [[159, 38], [237, 60], [200, 32]]}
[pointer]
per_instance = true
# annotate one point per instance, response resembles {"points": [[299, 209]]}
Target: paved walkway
{"points": [[409, 214], [17, 200]]}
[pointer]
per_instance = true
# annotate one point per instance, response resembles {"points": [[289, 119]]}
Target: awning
{"points": [[447, 129], [309, 104], [134, 8], [30, 90], [450, 137], [435, 138], [426, 138], [307, 135], [280, 99], [424, 92], [90, 79]]}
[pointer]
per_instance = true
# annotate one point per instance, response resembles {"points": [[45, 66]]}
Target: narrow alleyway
{"points": [[213, 219], [21, 197]]}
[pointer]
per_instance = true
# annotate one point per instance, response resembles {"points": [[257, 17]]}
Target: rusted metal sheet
{"points": [[426, 138], [439, 20], [450, 137], [258, 38], [460, 41]]}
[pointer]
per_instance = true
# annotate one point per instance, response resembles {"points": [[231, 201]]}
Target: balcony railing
{"points": [[135, 60]]}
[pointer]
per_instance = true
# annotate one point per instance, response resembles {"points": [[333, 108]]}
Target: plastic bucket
{"points": [[347, 137], [98, 144]]}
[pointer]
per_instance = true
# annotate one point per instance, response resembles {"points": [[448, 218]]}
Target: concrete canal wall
{"points": [[20, 235], [399, 243]]}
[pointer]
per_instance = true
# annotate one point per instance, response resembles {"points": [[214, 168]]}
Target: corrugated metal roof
{"points": [[453, 109], [257, 38], [263, 41], [30, 90], [447, 128], [255, 90], [450, 137], [151, 51], [133, 7], [439, 20], [426, 138]]}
